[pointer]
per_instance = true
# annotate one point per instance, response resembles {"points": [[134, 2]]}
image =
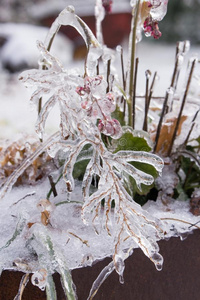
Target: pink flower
{"points": [[151, 28], [110, 127], [107, 4]]}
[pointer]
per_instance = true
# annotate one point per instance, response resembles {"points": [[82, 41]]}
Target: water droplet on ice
{"points": [[119, 48], [71, 9]]}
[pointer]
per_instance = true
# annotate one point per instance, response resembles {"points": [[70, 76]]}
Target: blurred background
{"points": [[22, 22], [181, 22]]}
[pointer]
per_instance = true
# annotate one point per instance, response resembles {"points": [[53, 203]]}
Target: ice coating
{"points": [[68, 17], [113, 223], [159, 9], [99, 15]]}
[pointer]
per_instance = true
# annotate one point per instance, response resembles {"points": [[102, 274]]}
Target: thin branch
{"points": [[145, 126], [23, 283], [108, 74], [132, 62], [182, 106], [134, 90], [53, 185], [190, 131], [183, 221]]}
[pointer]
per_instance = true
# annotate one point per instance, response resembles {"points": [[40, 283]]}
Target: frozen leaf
{"points": [[50, 288], [19, 228]]}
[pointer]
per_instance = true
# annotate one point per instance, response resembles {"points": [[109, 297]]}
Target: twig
{"points": [[53, 186], [108, 74], [122, 68], [134, 90], [132, 62], [165, 109], [152, 87], [23, 283], [27, 195], [160, 122], [76, 236], [183, 221], [190, 131], [182, 106], [145, 126]]}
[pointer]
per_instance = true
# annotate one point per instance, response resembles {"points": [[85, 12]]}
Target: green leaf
{"points": [[79, 169], [132, 143], [50, 288], [133, 140], [82, 162], [118, 114], [20, 226]]}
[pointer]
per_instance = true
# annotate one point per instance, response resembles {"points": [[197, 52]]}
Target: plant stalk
{"points": [[132, 64], [182, 106], [134, 91]]}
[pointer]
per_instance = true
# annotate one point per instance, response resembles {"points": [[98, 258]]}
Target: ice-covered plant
{"points": [[92, 144]]}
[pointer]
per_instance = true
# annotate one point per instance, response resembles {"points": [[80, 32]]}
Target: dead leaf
{"points": [[166, 134]]}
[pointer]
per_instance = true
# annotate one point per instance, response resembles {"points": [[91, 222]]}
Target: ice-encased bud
{"points": [[110, 127], [159, 9], [107, 104], [39, 279]]}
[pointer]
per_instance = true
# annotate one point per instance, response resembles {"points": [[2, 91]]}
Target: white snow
{"points": [[79, 243], [20, 46]]}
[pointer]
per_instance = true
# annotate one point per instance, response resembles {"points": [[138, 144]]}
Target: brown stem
{"points": [[134, 90], [147, 73], [152, 87], [182, 106], [190, 131], [108, 74], [160, 122], [132, 62], [53, 186]]}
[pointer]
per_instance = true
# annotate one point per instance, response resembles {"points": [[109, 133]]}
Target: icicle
{"points": [[100, 279], [119, 267]]}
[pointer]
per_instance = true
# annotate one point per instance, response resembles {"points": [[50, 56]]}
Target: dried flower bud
{"points": [[151, 28], [107, 4], [45, 205]]}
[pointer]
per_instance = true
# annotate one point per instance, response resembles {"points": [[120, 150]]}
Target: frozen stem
{"points": [[23, 283], [182, 106], [145, 124], [132, 62], [134, 90]]}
